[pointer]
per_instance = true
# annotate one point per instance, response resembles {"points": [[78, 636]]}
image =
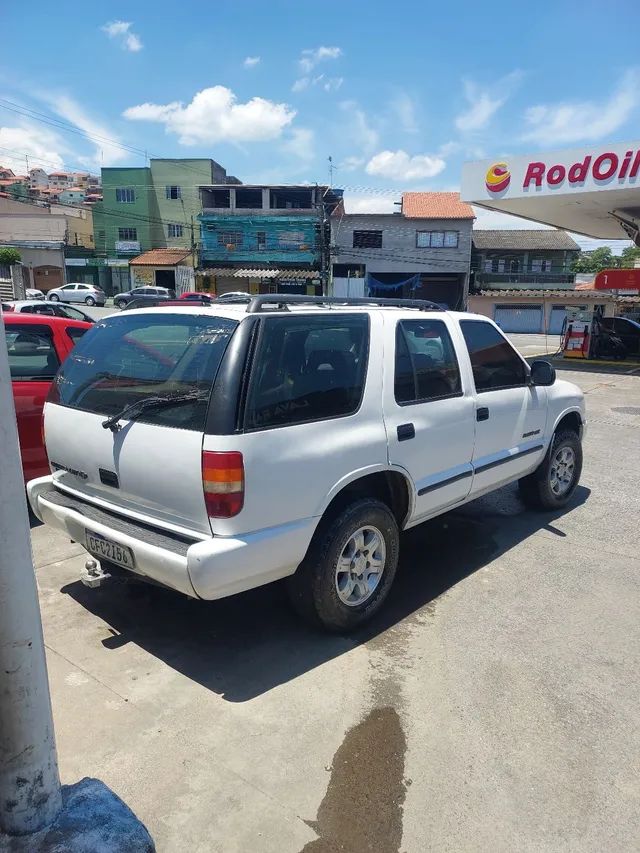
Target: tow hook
{"points": [[93, 574]]}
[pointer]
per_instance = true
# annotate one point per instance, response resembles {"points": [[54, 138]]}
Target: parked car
{"points": [[37, 346], [87, 293], [234, 296], [32, 293], [51, 309], [227, 447], [195, 296], [627, 330], [121, 300]]}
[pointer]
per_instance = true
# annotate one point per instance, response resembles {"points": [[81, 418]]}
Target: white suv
{"points": [[212, 449]]}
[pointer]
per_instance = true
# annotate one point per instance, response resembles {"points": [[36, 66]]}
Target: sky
{"points": [[398, 94]]}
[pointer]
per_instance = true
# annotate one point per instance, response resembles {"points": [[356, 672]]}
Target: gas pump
{"points": [[578, 332]]}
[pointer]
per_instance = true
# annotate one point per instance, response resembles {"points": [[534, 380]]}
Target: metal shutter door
{"points": [[519, 318], [230, 285], [558, 315]]}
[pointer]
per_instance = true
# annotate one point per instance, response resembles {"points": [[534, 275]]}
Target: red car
{"points": [[195, 296], [37, 345]]}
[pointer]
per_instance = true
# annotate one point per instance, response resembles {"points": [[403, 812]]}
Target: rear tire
{"points": [[54, 298], [90, 301], [348, 570], [554, 481]]}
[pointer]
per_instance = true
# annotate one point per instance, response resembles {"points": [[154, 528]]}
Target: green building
{"points": [[152, 207]]}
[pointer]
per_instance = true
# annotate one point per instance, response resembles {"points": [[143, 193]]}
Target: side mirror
{"points": [[542, 373]]}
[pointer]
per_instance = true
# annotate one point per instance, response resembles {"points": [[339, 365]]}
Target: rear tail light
{"points": [[223, 483]]}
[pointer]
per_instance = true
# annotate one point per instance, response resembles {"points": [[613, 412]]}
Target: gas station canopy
{"points": [[592, 191]]}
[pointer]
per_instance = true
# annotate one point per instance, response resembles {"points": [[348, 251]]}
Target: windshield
{"points": [[125, 359]]}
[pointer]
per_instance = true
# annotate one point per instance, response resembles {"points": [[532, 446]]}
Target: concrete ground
{"points": [[494, 705]]}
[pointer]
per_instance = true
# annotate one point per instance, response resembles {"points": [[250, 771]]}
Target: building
{"points": [[266, 238], [38, 178], [423, 251], [172, 268], [72, 195], [153, 206], [40, 239], [523, 279]]}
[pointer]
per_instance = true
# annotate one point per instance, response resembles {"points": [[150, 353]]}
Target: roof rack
{"points": [[279, 301]]}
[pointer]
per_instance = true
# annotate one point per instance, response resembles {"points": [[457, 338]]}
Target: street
{"points": [[492, 705]]}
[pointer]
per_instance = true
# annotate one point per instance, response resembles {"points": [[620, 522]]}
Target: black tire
{"points": [[120, 303], [536, 490], [90, 301], [54, 298], [312, 589]]}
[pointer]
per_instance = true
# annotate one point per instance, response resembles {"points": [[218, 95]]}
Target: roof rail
{"points": [[281, 301]]}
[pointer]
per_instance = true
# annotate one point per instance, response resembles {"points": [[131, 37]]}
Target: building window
{"points": [[101, 235], [540, 265], [290, 239], [127, 233], [173, 192], [437, 239], [230, 239], [367, 239], [125, 195], [261, 240], [175, 230]]}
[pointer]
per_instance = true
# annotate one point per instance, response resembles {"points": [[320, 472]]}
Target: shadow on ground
{"points": [[243, 646]]}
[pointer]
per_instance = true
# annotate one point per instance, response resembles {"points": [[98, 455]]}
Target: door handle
{"points": [[482, 414], [406, 431]]}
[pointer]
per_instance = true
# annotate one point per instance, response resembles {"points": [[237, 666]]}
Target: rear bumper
{"points": [[211, 568]]}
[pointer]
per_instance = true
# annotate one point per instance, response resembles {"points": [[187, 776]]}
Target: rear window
{"points": [[126, 358]]}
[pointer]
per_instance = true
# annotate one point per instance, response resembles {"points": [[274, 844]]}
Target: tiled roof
{"points": [[232, 272], [435, 206], [547, 294], [515, 238], [160, 257]]}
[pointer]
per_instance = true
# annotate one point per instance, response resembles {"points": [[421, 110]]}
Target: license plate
{"points": [[108, 550]]}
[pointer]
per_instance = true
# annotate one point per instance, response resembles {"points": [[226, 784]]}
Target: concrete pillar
{"points": [[266, 195], [30, 794]]}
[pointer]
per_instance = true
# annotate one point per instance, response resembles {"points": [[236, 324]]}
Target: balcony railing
{"points": [[530, 277]]}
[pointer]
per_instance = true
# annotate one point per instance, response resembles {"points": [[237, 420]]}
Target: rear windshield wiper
{"points": [[134, 409]]}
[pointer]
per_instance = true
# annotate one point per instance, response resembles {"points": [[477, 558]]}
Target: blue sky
{"points": [[398, 94]]}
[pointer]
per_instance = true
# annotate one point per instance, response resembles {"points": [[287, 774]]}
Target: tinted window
{"points": [[307, 369], [68, 311], [426, 364], [124, 359], [38, 309], [494, 361], [32, 355], [75, 333]]}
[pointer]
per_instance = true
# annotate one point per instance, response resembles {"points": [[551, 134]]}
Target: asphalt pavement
{"points": [[493, 705]]}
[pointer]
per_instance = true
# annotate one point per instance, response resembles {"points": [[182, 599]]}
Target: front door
{"points": [[429, 414], [510, 413]]}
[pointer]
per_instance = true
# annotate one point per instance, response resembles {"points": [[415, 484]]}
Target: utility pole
{"points": [[30, 794]]}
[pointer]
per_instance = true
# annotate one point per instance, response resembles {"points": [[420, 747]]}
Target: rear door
{"points": [[429, 413], [149, 467], [510, 414], [33, 362]]}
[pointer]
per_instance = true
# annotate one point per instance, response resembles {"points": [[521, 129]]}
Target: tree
{"points": [[596, 260], [629, 256], [9, 256]]}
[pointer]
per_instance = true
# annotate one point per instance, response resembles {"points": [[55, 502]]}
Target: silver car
{"points": [[50, 309], [87, 293]]}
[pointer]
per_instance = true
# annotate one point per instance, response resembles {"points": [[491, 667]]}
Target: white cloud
{"points": [[108, 150], [301, 143], [559, 124], [121, 30], [214, 115], [369, 203], [313, 56], [251, 61], [358, 130], [329, 84], [399, 166], [42, 146], [350, 164], [484, 103], [405, 111]]}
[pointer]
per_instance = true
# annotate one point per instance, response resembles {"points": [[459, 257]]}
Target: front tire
{"points": [[554, 481], [90, 301], [54, 297], [348, 570], [121, 304]]}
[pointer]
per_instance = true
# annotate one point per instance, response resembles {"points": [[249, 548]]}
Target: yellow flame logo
{"points": [[498, 178]]}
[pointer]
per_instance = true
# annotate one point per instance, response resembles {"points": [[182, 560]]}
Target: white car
{"points": [[226, 446], [87, 293], [50, 309], [32, 293]]}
